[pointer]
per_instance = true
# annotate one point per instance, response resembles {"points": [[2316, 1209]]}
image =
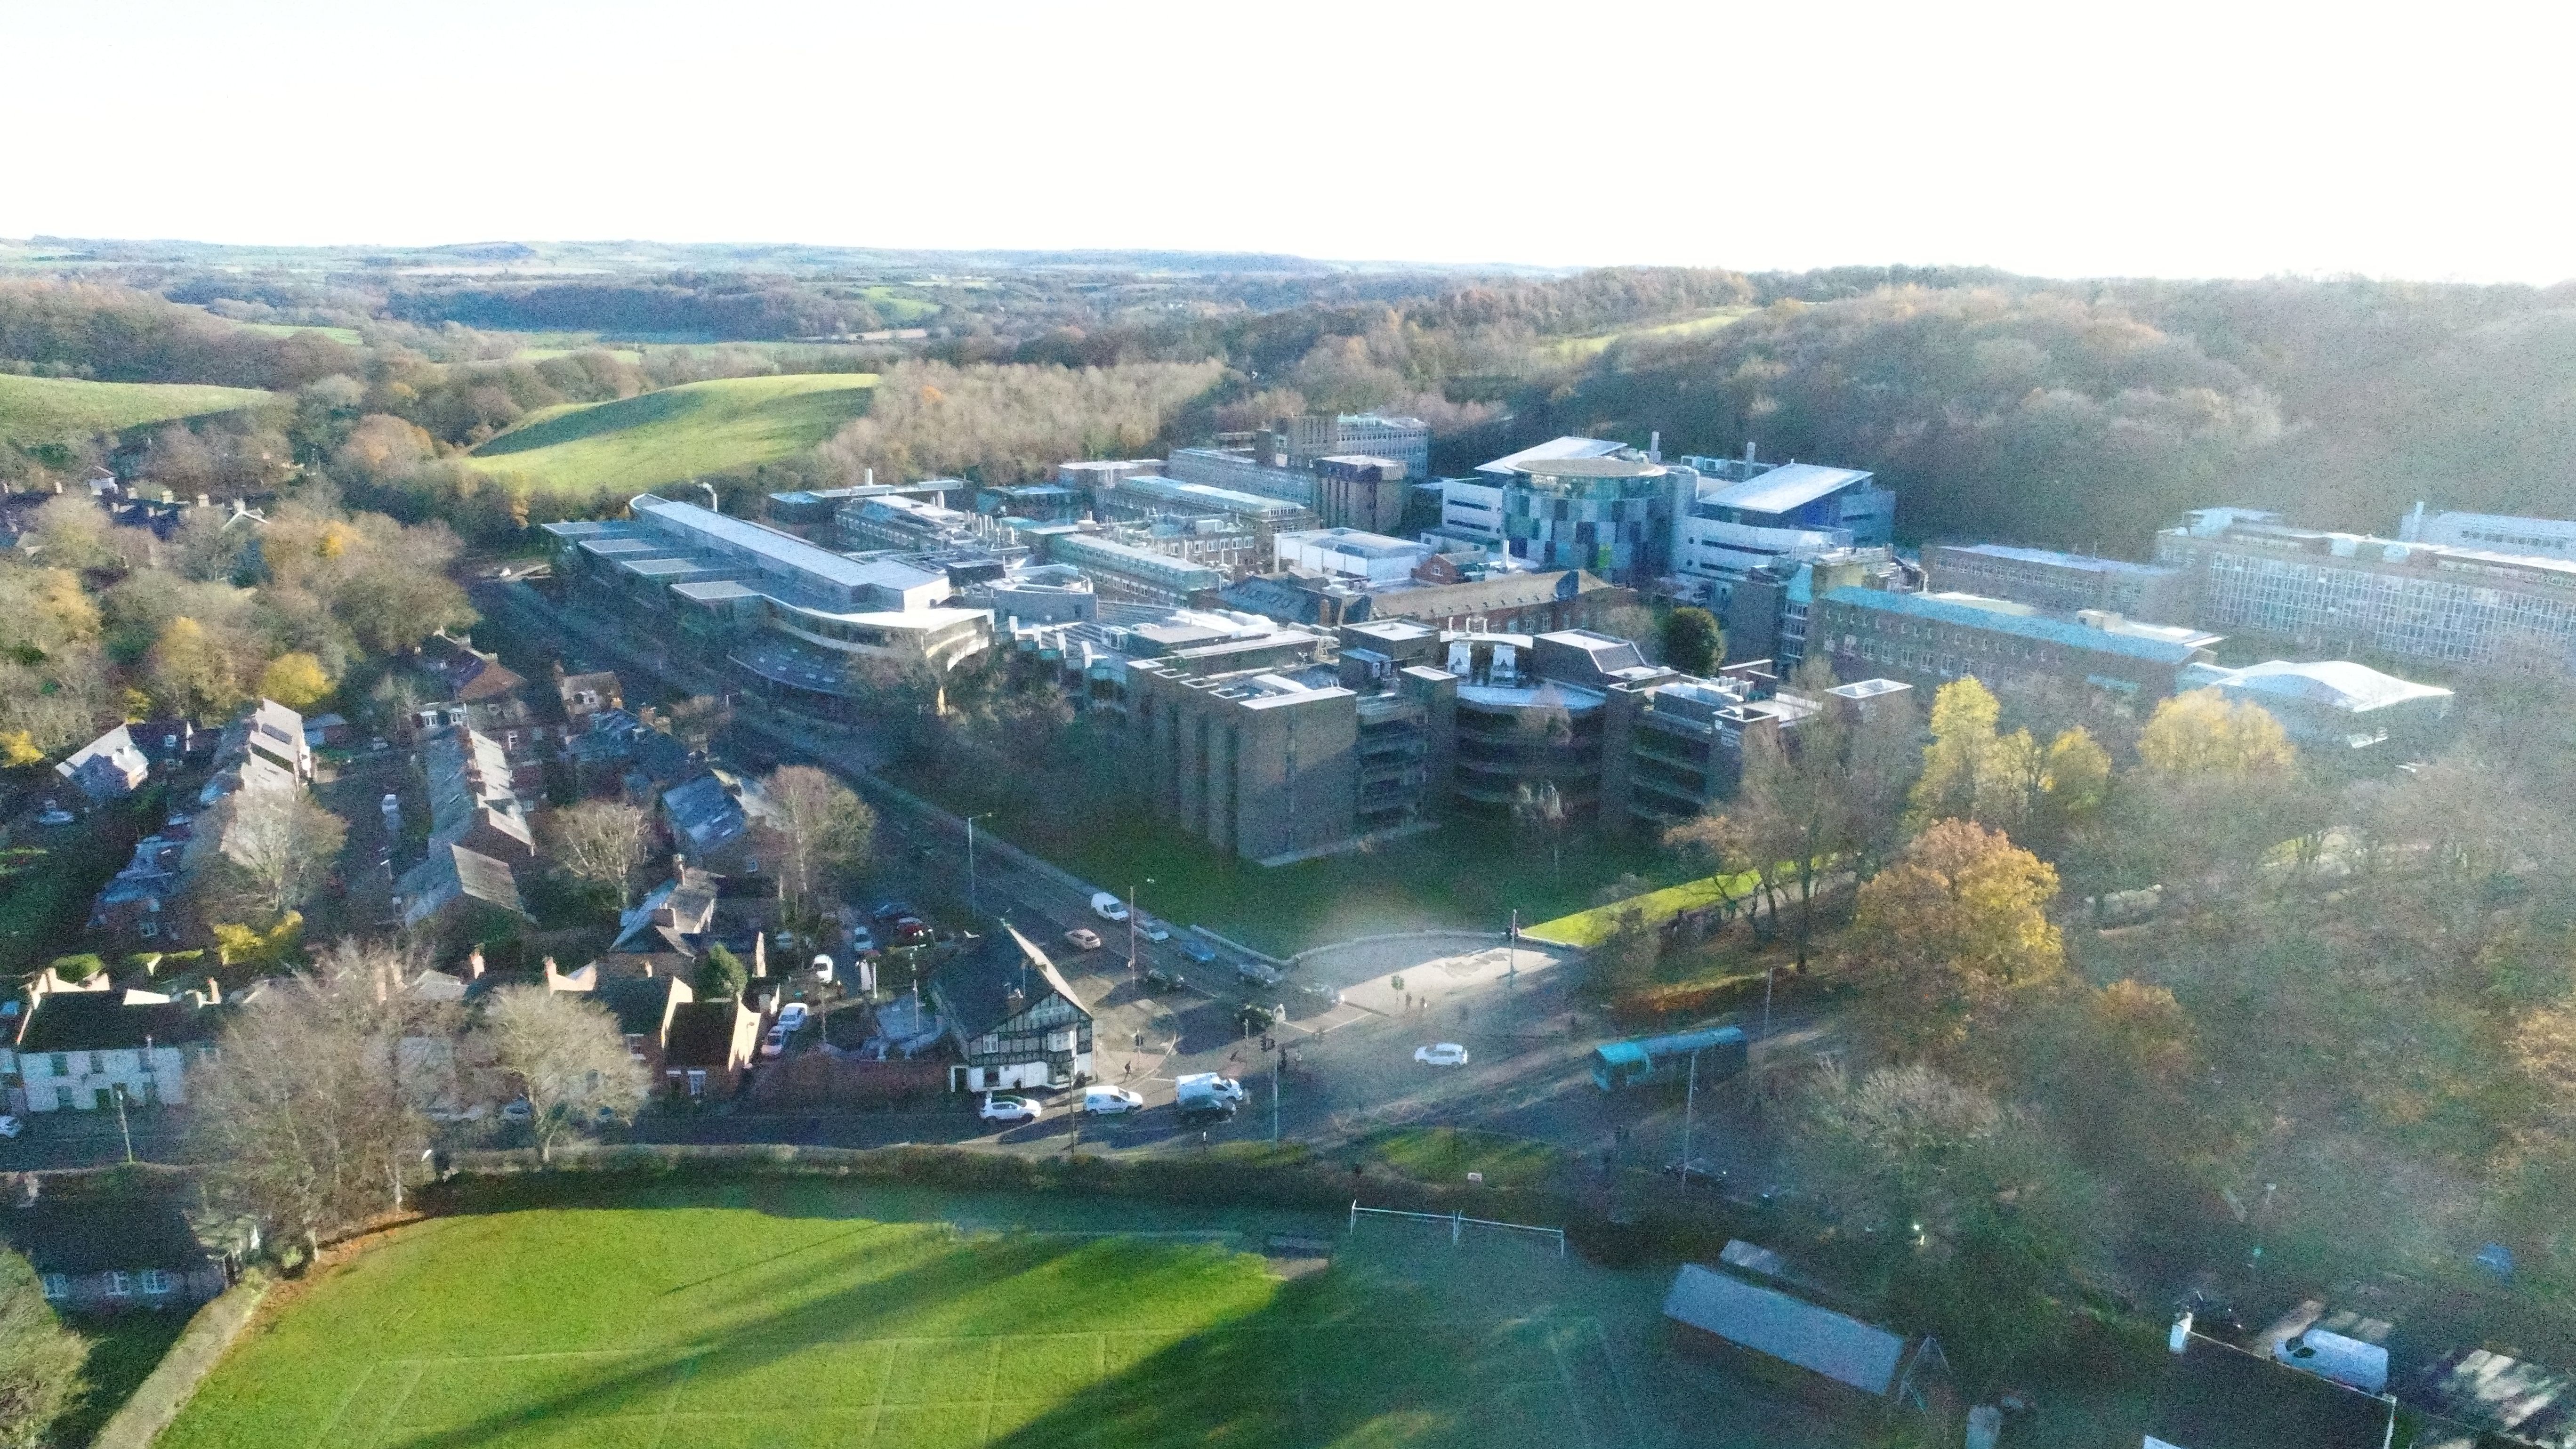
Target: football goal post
{"points": [[1457, 1223]]}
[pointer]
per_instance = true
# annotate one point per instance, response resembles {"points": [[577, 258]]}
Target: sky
{"points": [[2173, 139]]}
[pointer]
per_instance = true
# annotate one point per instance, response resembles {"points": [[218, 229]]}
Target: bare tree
{"points": [[698, 719], [310, 1111], [282, 841], [600, 842], [820, 827], [565, 1056]]}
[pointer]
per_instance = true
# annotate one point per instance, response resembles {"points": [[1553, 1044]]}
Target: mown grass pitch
{"points": [[677, 433], [779, 1322]]}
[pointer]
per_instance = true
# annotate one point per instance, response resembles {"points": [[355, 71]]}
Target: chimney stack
{"points": [[474, 964], [2180, 1339], [760, 955], [214, 992]]}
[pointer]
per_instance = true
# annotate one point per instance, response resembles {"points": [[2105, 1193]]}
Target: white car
{"points": [[1441, 1054], [55, 815], [11, 1126], [1153, 930], [1083, 938], [774, 1044], [1108, 907], [1010, 1109], [791, 1017], [862, 939], [1109, 1101]]}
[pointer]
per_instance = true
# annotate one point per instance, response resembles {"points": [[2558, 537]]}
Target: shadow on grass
{"points": [[123, 1350]]}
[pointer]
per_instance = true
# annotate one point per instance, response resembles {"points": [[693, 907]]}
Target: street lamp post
{"points": [[121, 1124], [1690, 1105]]}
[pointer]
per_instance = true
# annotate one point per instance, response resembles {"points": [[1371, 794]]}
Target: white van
{"points": [[1108, 907], [1109, 1101], [2347, 1361], [1208, 1085]]}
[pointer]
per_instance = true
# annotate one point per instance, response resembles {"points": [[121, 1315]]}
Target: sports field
{"points": [[678, 433], [794, 1314], [54, 409]]}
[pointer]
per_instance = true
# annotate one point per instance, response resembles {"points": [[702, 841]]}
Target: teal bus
{"points": [[1648, 1061]]}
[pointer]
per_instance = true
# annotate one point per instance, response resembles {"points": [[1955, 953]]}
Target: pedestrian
{"points": [[1462, 1013]]}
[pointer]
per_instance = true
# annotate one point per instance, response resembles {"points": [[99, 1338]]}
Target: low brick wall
{"points": [[160, 1397]]}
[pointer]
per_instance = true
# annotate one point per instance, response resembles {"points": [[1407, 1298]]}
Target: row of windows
{"points": [[119, 1285]]}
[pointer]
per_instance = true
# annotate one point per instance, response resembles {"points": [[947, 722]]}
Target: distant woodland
{"points": [[2076, 414]]}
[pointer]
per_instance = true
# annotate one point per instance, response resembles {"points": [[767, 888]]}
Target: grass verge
{"points": [[1592, 927]]}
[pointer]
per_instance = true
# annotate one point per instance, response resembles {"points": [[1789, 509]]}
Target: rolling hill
{"points": [[52, 409], [678, 433]]}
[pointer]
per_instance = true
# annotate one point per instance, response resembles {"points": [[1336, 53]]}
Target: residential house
{"points": [[2217, 1396], [674, 916], [460, 892], [328, 731], [140, 903], [1013, 1017], [80, 1048], [585, 695], [276, 733], [710, 817], [478, 692], [472, 799], [707, 1047], [108, 1255], [110, 767]]}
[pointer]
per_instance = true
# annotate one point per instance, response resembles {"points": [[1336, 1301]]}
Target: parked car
{"points": [[10, 1126], [1010, 1109], [891, 907], [1441, 1054], [1152, 930], [1159, 979], [1256, 974], [774, 1044], [54, 815], [1083, 938], [909, 930], [1109, 1101], [791, 1017], [1108, 907], [518, 1110], [1198, 950], [1253, 1016], [862, 939]]}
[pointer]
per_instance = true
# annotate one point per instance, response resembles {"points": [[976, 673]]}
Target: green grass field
{"points": [[54, 409], [677, 433], [787, 1314]]}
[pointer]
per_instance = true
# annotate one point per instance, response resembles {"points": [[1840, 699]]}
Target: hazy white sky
{"points": [[2170, 138]]}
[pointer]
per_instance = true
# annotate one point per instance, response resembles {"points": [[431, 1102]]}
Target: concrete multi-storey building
{"points": [[2250, 571], [907, 525], [2062, 582], [1242, 470], [786, 618], [1766, 612], [2495, 532], [1129, 574], [1372, 558], [1359, 491], [1738, 515], [1149, 497], [1930, 639], [1306, 441]]}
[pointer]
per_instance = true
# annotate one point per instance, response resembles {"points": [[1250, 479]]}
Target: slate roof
{"points": [[117, 755], [99, 1235], [641, 1004], [702, 1034], [2215, 1396], [973, 990], [78, 1021], [452, 873], [703, 814]]}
